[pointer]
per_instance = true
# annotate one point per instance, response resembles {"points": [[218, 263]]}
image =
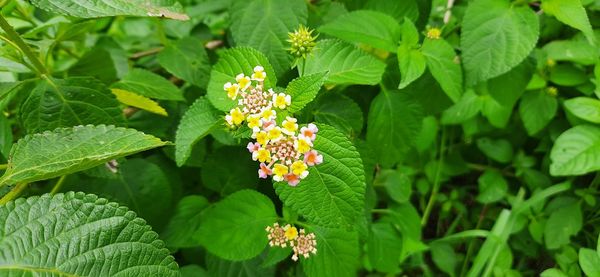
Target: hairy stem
{"points": [[13, 36]]}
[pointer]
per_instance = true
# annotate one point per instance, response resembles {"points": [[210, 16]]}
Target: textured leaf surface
{"points": [[338, 252], [234, 228], [232, 62], [440, 58], [75, 234], [134, 100], [264, 25], [67, 150], [196, 123], [333, 192], [187, 60], [412, 64], [496, 36], [575, 152], [152, 85], [393, 124], [304, 89], [585, 108], [65, 103], [373, 28], [537, 109], [100, 8], [345, 63]]}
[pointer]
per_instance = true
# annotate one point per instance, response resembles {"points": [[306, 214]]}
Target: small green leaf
{"points": [[563, 223], [187, 59], [134, 100], [397, 184], [575, 152], [466, 108], [304, 89], [412, 64], [264, 25], [384, 247], [410, 34], [553, 272], [373, 28], [234, 228], [589, 262], [67, 150], [537, 109], [496, 36], [444, 257], [567, 75], [492, 187], [585, 108], [96, 8], [345, 63], [499, 150], [333, 192], [578, 51], [69, 235], [338, 252], [232, 62], [55, 103], [184, 222], [225, 177], [396, 9], [151, 85], [197, 122], [572, 13], [394, 123], [341, 112], [441, 61]]}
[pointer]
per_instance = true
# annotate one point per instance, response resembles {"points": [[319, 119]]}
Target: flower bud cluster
{"points": [[301, 242]]}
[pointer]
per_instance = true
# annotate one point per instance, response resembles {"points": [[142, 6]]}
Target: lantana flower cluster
{"points": [[283, 150], [301, 242]]}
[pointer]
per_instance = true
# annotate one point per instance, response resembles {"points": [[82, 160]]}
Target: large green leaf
{"points": [[187, 60], [537, 109], [579, 51], [97, 8], [264, 25], [234, 228], [333, 192], [185, 221], [152, 85], [345, 63], [585, 108], [75, 234], [232, 62], [337, 252], [55, 103], [197, 122], [304, 89], [496, 36], [373, 28], [442, 62], [575, 152], [67, 150], [589, 260], [393, 124], [572, 13]]}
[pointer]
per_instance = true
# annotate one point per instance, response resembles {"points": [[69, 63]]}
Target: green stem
{"points": [[14, 37], [58, 184], [436, 181], [381, 211], [471, 246], [14, 193], [3, 166], [160, 31]]}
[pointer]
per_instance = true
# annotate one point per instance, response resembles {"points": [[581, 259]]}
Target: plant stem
{"points": [[16, 39], [14, 193], [471, 246], [3, 166], [58, 184], [436, 181]]}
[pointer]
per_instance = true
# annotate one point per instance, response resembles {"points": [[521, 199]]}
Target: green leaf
{"points": [[197, 122], [412, 64], [223, 176], [333, 192], [338, 252], [384, 247], [572, 13], [6, 136], [396, 9], [341, 112], [265, 24], [187, 59], [134, 100], [499, 150], [537, 109], [193, 270], [253, 267], [563, 223], [553, 272], [96, 8], [152, 85], [67, 150], [232, 62], [444, 257], [572, 50], [397, 184], [96, 63], [55, 103], [589, 262], [304, 89], [466, 108], [75, 234], [234, 228], [585, 108], [410, 34], [496, 36], [567, 75], [575, 152], [345, 63], [179, 233], [441, 61], [393, 124], [492, 187], [373, 28]]}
